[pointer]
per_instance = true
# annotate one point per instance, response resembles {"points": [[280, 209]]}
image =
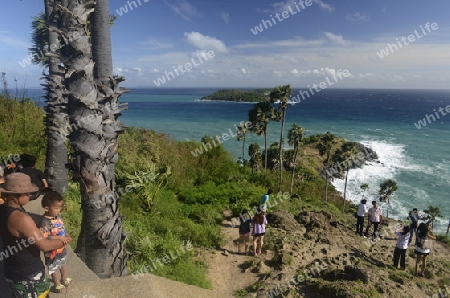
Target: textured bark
{"points": [[56, 112], [93, 112]]}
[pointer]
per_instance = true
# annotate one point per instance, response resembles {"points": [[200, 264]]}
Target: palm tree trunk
{"points": [[56, 112], [281, 149], [94, 142], [387, 211], [265, 148], [326, 178], [243, 151], [345, 190], [293, 170]]}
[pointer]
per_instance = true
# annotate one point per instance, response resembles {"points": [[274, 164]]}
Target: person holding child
{"points": [[259, 230], [402, 245], [52, 226], [24, 270], [244, 230]]}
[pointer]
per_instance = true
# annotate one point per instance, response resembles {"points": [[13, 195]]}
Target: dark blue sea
{"points": [[416, 155]]}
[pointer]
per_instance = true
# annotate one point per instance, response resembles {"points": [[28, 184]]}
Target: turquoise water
{"points": [[417, 159]]}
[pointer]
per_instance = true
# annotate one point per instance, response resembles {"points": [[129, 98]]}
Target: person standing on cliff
{"points": [[375, 218], [414, 219], [401, 246], [265, 199], [362, 210]]}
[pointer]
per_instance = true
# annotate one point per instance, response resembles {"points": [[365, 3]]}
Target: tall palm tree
{"points": [[326, 144], [255, 156], [93, 109], [241, 132], [281, 94], [387, 188], [45, 36], [343, 156], [260, 116], [295, 136]]}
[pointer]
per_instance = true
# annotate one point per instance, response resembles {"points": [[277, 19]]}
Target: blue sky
{"points": [[313, 42]]}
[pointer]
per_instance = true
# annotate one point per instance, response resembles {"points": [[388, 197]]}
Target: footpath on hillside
{"points": [[315, 254]]}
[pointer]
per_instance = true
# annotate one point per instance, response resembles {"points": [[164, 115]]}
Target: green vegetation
{"points": [[170, 199], [22, 128], [239, 95]]}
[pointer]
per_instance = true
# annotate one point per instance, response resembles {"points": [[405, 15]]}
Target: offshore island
{"points": [[237, 95]]}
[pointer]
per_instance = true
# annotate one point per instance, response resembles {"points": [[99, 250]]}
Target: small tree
{"points": [[387, 188], [364, 187], [433, 212], [295, 137]]}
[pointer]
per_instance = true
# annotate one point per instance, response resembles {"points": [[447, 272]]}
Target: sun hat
{"points": [[18, 183]]}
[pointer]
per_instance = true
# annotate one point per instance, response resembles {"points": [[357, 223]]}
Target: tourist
{"points": [[401, 246], [28, 166], [52, 226], [22, 240], [422, 250], [413, 219], [244, 230], [265, 199], [375, 218], [362, 210], [259, 230]]}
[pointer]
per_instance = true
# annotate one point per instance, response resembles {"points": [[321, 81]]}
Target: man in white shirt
{"points": [[362, 210], [375, 218]]}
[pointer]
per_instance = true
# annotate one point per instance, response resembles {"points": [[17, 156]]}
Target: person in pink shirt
{"points": [[375, 218], [259, 230]]}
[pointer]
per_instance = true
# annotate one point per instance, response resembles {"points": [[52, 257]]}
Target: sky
{"points": [[264, 43]]}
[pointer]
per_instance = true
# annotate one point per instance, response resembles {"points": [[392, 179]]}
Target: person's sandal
{"points": [[67, 282], [59, 288]]}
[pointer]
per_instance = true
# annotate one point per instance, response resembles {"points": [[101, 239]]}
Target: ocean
{"points": [[409, 130]]}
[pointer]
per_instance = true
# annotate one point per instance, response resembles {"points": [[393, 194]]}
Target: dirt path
{"points": [[224, 265]]}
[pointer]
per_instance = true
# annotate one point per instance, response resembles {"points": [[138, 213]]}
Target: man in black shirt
{"points": [[28, 166]]}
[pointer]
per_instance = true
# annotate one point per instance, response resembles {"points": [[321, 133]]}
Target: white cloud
{"points": [[10, 41], [286, 43], [120, 70], [137, 68], [204, 42], [338, 39], [155, 70], [358, 17], [156, 45], [324, 6], [184, 9], [225, 17], [279, 7], [243, 70]]}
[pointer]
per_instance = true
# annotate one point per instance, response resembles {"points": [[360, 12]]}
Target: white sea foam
{"points": [[392, 162]]}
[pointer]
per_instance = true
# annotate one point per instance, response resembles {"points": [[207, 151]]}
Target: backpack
{"points": [[422, 232]]}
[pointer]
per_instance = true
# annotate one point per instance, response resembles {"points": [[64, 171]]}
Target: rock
{"points": [[350, 273]]}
